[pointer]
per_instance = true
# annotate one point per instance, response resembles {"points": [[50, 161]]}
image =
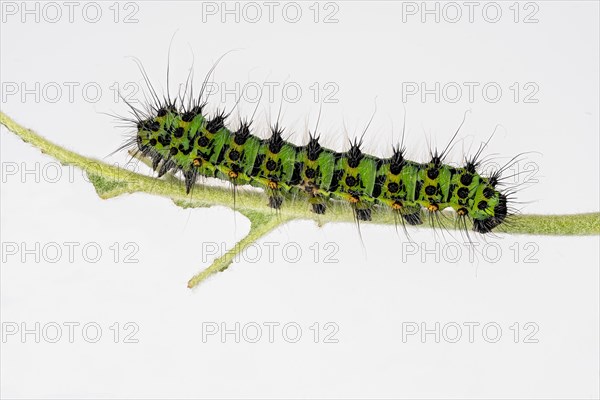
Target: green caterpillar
{"points": [[185, 139]]}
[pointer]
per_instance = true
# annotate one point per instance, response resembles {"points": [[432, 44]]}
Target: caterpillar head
{"points": [[147, 132], [491, 211]]}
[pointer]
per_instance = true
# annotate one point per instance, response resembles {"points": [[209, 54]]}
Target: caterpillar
{"points": [[180, 137]]}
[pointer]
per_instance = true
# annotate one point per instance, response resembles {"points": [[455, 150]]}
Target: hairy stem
{"points": [[111, 181], [261, 223]]}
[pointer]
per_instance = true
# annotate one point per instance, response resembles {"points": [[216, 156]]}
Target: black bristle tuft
{"points": [[216, 123], [413, 219], [313, 148], [363, 214], [190, 178], [242, 134], [397, 161], [275, 202], [276, 141], [318, 208], [354, 155]]}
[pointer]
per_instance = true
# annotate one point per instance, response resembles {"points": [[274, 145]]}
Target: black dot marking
{"points": [[418, 187], [178, 132], [164, 140], [393, 187], [451, 190], [500, 212], [310, 173], [433, 173], [154, 126], [430, 190], [463, 192], [258, 162], [488, 193], [296, 179], [482, 205], [379, 181], [153, 142], [271, 165], [335, 180], [162, 112], [203, 141], [351, 181], [173, 151], [236, 168], [466, 179], [234, 155]]}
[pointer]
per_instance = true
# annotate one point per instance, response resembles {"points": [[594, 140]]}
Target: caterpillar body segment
{"points": [[190, 142]]}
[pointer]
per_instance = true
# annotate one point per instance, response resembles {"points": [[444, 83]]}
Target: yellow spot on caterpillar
{"points": [[272, 185], [233, 174], [397, 206], [353, 200], [433, 207], [461, 211], [197, 162]]}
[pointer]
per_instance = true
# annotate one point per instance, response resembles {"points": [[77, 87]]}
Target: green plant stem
{"points": [[111, 181], [260, 224]]}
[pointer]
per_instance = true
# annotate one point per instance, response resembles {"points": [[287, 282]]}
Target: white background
{"points": [[371, 295]]}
